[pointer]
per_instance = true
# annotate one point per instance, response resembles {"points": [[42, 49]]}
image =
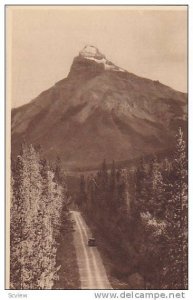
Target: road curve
{"points": [[91, 268]]}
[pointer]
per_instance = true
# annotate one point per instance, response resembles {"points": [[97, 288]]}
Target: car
{"points": [[91, 242]]}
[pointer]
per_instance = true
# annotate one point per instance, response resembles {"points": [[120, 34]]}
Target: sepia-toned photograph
{"points": [[96, 147]]}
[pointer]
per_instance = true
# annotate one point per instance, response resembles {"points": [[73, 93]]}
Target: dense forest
{"points": [[39, 199], [141, 213]]}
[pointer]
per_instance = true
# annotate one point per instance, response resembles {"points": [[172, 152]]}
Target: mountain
{"points": [[100, 111]]}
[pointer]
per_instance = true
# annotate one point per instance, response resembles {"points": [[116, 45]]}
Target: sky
{"points": [[42, 42]]}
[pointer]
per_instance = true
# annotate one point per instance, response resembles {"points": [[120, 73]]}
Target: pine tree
{"points": [[91, 190], [112, 194], [15, 237], [104, 177], [152, 250], [59, 176], [30, 192], [82, 197], [36, 206], [51, 221], [177, 215], [141, 194], [123, 199], [157, 200]]}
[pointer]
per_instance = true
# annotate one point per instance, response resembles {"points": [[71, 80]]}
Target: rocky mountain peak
{"points": [[91, 62], [100, 111], [90, 51]]}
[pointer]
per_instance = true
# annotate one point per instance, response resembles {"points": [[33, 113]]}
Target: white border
{"points": [[61, 294]]}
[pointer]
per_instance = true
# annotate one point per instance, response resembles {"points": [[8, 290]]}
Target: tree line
{"points": [[142, 213], [38, 204]]}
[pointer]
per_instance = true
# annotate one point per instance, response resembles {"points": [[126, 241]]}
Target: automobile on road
{"points": [[91, 242]]}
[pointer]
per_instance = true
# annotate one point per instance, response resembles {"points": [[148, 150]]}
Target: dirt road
{"points": [[91, 268]]}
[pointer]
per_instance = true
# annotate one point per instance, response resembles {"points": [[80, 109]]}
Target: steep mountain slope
{"points": [[100, 111]]}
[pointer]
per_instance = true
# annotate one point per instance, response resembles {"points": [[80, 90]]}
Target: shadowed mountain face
{"points": [[100, 111]]}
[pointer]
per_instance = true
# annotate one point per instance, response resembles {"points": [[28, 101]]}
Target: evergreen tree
{"points": [[36, 206], [15, 238], [152, 250], [82, 195], [123, 200], [51, 221], [141, 194], [112, 197], [157, 202], [177, 215], [104, 177], [59, 176], [30, 192]]}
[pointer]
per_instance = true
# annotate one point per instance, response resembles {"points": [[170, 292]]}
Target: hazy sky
{"points": [[42, 42]]}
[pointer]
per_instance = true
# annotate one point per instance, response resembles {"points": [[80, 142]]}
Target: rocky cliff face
{"points": [[100, 111]]}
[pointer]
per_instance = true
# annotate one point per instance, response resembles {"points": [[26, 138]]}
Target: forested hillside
{"points": [[140, 217]]}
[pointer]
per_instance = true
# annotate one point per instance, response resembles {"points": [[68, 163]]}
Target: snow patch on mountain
{"points": [[92, 53]]}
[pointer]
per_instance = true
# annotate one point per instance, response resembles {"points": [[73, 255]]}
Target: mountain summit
{"points": [[100, 111], [91, 52], [92, 59]]}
